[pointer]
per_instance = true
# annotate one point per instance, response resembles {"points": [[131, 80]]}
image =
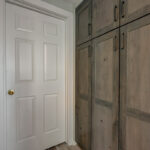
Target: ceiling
{"points": [[64, 4]]}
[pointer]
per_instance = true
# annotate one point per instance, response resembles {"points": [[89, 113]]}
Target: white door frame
{"points": [[68, 17]]}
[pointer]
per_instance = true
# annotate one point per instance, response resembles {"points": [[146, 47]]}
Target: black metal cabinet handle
{"points": [[89, 29], [90, 51], [123, 9], [122, 41], [115, 43], [115, 13]]}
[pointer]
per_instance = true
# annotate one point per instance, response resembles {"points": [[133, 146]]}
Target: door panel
{"points": [[135, 85], [83, 22], [105, 16], [104, 59], [83, 72], [83, 96], [35, 70], [105, 92], [102, 126], [138, 131], [84, 126], [24, 59], [133, 9]]}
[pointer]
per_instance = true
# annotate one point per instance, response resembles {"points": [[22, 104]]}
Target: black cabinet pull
{"points": [[89, 29], [122, 41], [115, 13], [115, 43], [90, 51], [123, 9]]}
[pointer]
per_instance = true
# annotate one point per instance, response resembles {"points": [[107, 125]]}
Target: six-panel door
{"points": [[105, 16], [35, 65], [135, 85], [105, 92], [133, 9], [83, 96], [83, 22]]}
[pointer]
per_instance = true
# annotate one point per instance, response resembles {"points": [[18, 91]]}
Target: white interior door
{"points": [[35, 68]]}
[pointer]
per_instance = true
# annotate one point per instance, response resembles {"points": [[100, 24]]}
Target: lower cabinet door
{"points": [[105, 89], [83, 96], [135, 85]]}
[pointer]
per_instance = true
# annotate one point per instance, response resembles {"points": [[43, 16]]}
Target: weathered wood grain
{"points": [[105, 16], [105, 92], [135, 86], [83, 96], [133, 9]]}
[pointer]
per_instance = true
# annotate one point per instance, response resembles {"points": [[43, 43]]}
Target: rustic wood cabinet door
{"points": [[135, 85], [105, 16], [83, 96], [133, 9], [83, 22], [105, 89]]}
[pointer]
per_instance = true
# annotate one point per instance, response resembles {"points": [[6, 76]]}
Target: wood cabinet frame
{"points": [[125, 111], [79, 10], [115, 103], [82, 96], [110, 27], [127, 18]]}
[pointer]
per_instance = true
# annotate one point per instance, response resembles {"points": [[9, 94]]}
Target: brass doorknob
{"points": [[11, 92]]}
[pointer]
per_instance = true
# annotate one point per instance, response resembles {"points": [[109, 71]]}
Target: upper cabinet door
{"points": [[83, 22], [105, 90], [105, 16], [135, 85], [133, 9]]}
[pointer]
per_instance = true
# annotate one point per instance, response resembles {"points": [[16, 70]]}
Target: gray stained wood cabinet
{"points": [[105, 90], [135, 85], [105, 16], [113, 75], [133, 9], [83, 96], [83, 22], [97, 17]]}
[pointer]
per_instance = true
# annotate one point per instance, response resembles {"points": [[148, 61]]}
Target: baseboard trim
{"points": [[71, 143]]}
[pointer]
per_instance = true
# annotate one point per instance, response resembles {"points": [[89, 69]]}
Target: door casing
{"points": [[66, 16]]}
